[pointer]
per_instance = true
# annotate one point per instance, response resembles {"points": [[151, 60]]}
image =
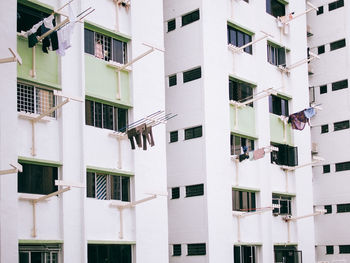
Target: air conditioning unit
{"points": [[314, 148]]}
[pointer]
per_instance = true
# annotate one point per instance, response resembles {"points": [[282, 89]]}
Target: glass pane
{"points": [[237, 254], [237, 146], [115, 187], [90, 181], [125, 189], [98, 114], [89, 112], [89, 41], [107, 117], [35, 257], [23, 257], [122, 119], [248, 39], [240, 38], [118, 51]]}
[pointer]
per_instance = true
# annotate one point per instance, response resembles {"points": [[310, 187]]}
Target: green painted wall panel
{"points": [[276, 130], [246, 121], [46, 64], [101, 81]]}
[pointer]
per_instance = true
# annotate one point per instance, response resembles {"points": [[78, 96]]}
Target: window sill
{"points": [[30, 197], [32, 116]]}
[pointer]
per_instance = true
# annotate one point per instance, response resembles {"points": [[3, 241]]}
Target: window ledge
{"points": [[29, 197], [32, 116], [118, 66], [237, 213]]}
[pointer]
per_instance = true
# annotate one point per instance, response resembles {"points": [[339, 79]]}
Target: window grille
{"points": [[32, 99], [336, 4], [194, 190], [177, 250], [172, 80], [344, 249], [342, 166], [174, 136], [343, 84], [192, 74], [196, 249], [285, 203], [190, 18], [243, 201], [39, 253], [171, 25], [328, 209], [102, 46], [192, 133], [175, 193], [237, 143]]}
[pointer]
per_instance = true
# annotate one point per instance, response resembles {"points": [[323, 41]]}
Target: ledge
{"points": [[111, 242], [35, 241], [105, 31], [246, 189], [112, 171], [233, 24], [29, 160]]}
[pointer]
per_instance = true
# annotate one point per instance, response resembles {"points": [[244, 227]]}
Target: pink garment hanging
{"points": [[259, 153]]}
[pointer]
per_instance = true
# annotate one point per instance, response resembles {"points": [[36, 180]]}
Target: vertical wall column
{"points": [[72, 147], [8, 132]]}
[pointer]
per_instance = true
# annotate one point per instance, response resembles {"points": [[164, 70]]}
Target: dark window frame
{"points": [[240, 91], [324, 128], [344, 249], [110, 253], [321, 49], [175, 193], [328, 209], [192, 74], [320, 10], [176, 250], [172, 80], [341, 125], [237, 142], [276, 55], [171, 24], [323, 89], [193, 133], [326, 168], [196, 249], [244, 201], [285, 203], [190, 18], [33, 252], [343, 208], [274, 8], [344, 166], [245, 254], [238, 38], [337, 44], [335, 5], [174, 136], [286, 155], [194, 190], [278, 105]]}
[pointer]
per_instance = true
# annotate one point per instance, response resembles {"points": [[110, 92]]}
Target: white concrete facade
{"points": [[206, 160], [333, 145], [71, 219]]}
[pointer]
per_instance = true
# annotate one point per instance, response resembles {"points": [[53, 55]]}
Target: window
{"points": [[174, 136], [342, 166], [335, 5], [278, 106], [276, 55], [329, 250], [109, 253], [105, 47], [27, 17], [323, 89], [286, 155], [244, 254], [285, 203], [175, 193], [190, 18], [192, 74], [49, 253], [337, 44], [344, 249], [172, 80], [108, 187], [341, 125], [196, 249], [238, 38], [275, 8], [320, 10], [32, 99], [324, 128], [105, 116], [240, 91], [177, 250], [287, 254], [328, 209], [237, 143], [37, 179], [171, 25], [243, 201], [194, 190], [194, 132], [343, 208], [343, 84], [326, 168], [320, 49]]}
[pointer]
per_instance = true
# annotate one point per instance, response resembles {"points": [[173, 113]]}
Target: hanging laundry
{"points": [[243, 156], [99, 50], [65, 33], [298, 120], [50, 40], [147, 135], [259, 153], [310, 112], [48, 22]]}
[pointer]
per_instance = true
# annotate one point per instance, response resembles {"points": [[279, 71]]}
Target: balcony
{"points": [[279, 133], [243, 122]]}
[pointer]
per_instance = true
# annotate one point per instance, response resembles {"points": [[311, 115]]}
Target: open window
{"points": [[286, 155], [276, 7], [287, 254], [109, 253], [27, 17], [278, 105], [105, 116], [276, 55], [284, 204], [37, 179], [31, 253], [108, 187], [238, 142], [240, 91], [238, 38], [244, 201], [245, 254], [105, 47], [32, 99]]}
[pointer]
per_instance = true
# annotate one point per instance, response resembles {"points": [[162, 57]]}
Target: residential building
{"points": [[83, 195], [330, 128], [223, 207]]}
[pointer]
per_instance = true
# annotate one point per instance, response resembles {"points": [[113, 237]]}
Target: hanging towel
{"points": [[251, 156], [258, 154], [310, 112], [298, 120], [50, 40], [98, 50], [65, 33], [48, 22]]}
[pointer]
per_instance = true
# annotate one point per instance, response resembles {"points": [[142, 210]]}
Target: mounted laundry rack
{"points": [[66, 21], [121, 208], [15, 58], [126, 67], [118, 3], [289, 218], [267, 149], [287, 69], [240, 215], [286, 169], [15, 169], [158, 117], [240, 49], [67, 186], [40, 118], [258, 96], [283, 21]]}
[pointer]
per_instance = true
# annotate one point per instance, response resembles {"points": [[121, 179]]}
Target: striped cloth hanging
{"points": [[101, 189]]}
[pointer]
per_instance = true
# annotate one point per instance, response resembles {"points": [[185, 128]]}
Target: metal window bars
{"points": [[103, 47]]}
